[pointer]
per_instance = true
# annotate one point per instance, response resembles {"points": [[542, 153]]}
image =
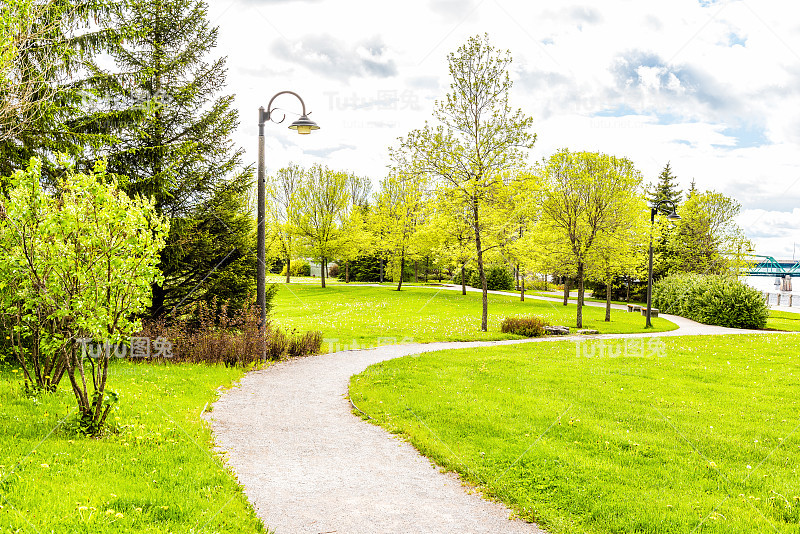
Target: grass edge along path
{"points": [[156, 472], [601, 436]]}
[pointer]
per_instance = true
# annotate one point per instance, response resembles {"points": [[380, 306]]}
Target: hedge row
{"points": [[711, 299]]}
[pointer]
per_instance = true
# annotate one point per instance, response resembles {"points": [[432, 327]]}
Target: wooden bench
{"points": [[634, 307], [653, 312]]}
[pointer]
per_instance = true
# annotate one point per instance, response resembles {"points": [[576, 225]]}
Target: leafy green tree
{"points": [[588, 196], [17, 93], [400, 208], [323, 199], [707, 239], [620, 253], [173, 128], [354, 238], [456, 236], [519, 211], [282, 204], [76, 266], [478, 138]]}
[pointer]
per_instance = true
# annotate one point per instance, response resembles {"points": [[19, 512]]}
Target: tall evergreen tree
{"points": [[174, 144], [666, 188]]}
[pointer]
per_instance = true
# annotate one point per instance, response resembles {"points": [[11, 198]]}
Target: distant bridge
{"points": [[758, 265]]}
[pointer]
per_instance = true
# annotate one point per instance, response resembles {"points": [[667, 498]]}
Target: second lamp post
{"points": [[672, 216]]}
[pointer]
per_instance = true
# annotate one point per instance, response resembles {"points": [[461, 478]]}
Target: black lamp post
{"points": [[672, 216], [303, 125]]}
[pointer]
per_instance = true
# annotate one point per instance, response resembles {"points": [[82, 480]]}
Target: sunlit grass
{"points": [[682, 435], [156, 473], [779, 320], [367, 316]]}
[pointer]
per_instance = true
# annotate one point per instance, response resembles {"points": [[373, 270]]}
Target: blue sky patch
{"points": [[747, 136]]}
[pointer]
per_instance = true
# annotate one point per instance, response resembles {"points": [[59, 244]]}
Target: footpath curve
{"points": [[308, 465]]}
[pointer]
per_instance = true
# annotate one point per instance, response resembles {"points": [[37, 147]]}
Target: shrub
{"points": [[77, 261], [298, 268], [233, 339], [468, 275], [498, 278], [711, 299], [531, 326], [363, 269], [333, 270]]}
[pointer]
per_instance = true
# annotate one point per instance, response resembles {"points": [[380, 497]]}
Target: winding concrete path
{"points": [[309, 465]]}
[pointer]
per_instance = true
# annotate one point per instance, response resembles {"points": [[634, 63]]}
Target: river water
{"points": [[767, 284]]}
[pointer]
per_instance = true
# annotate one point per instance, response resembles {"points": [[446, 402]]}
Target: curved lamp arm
{"points": [[673, 216], [264, 116]]}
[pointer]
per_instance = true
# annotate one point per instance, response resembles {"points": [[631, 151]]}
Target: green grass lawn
{"points": [[779, 320], [156, 474], [582, 438], [368, 316]]}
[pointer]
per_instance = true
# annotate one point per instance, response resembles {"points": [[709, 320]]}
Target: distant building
{"points": [[315, 269]]}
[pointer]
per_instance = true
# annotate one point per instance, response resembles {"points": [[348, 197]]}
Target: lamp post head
{"points": [[674, 217], [304, 125]]}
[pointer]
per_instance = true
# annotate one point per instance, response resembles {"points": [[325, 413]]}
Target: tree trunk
{"points": [[628, 295], [402, 268], [522, 288], [427, 265], [416, 271], [157, 303], [288, 268], [580, 295], [347, 272], [463, 281], [608, 301], [481, 273], [516, 276], [566, 290], [381, 264], [322, 269]]}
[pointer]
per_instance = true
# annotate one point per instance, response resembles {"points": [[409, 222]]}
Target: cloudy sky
{"points": [[711, 86]]}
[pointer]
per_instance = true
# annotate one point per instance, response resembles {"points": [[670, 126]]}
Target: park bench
{"points": [[653, 312], [634, 307]]}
